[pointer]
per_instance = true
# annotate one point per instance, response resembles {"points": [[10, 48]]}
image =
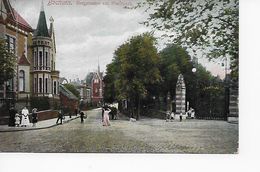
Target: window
{"points": [[40, 85], [10, 85], [54, 87], [35, 85], [46, 59], [35, 59], [46, 85], [21, 80], [10, 43], [40, 58]]}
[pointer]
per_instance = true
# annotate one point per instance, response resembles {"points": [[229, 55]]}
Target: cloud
{"points": [[85, 34]]}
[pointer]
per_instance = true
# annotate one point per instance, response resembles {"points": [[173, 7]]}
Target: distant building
{"points": [[95, 81], [69, 101]]}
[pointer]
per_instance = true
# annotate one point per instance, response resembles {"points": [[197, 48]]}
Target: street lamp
{"points": [[194, 70]]}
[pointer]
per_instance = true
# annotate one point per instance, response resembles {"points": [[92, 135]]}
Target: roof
{"points": [[67, 93], [23, 61], [42, 29], [21, 20], [14, 17]]}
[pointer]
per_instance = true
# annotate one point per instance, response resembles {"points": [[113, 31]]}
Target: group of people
{"points": [[23, 119], [170, 116], [61, 116]]}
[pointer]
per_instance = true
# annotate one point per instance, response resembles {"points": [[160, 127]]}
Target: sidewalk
{"points": [[39, 125]]}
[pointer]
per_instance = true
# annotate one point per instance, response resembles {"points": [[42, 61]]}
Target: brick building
{"points": [[35, 49], [96, 85]]}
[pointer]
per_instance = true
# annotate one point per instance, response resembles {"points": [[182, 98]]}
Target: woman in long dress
{"points": [[25, 117], [106, 116]]}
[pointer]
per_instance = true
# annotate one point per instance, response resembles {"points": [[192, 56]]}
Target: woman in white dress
{"points": [[106, 116], [25, 118]]}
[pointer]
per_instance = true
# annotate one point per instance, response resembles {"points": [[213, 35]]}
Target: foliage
{"points": [[7, 63], [175, 60], [72, 89], [208, 26], [41, 103], [109, 80], [133, 70]]}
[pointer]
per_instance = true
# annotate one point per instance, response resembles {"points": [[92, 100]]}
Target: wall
{"points": [[48, 114]]}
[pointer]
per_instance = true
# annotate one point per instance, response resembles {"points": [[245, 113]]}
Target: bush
{"points": [[41, 103]]}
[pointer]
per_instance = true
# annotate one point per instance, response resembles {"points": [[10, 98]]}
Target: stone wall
{"points": [[233, 105]]}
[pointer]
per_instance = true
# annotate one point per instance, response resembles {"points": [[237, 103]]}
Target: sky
{"points": [[89, 31]]}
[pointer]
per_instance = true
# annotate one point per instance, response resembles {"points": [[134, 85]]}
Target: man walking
{"points": [[82, 116], [60, 115]]}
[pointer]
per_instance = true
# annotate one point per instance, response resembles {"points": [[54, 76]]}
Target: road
{"points": [[144, 136]]}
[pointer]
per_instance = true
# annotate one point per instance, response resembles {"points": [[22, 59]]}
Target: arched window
{"points": [[46, 85], [40, 85], [55, 87], [21, 80]]}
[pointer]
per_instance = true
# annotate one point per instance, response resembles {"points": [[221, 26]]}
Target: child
{"points": [[17, 120]]}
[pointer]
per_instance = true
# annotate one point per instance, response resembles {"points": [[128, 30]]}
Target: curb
{"points": [[29, 129]]}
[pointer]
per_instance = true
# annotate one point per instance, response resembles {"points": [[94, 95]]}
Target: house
{"points": [[35, 49], [18, 35], [95, 81]]}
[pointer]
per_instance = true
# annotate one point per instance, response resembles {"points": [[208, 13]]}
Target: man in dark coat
{"points": [[34, 117], [82, 116], [12, 113], [60, 115]]}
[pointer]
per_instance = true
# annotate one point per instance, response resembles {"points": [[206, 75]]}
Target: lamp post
{"points": [[194, 70]]}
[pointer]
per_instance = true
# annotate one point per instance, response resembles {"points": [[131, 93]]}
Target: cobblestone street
{"points": [[144, 136]]}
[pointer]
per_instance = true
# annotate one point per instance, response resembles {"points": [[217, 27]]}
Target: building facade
{"points": [[17, 34], [43, 68], [35, 49], [94, 81]]}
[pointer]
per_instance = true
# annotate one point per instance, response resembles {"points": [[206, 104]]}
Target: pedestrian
{"points": [[192, 113], [12, 113], [82, 116], [25, 117], [168, 116], [17, 119], [60, 115], [181, 117], [34, 117], [172, 116], [106, 116], [102, 116]]}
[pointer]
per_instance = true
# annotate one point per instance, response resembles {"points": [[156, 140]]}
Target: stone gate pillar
{"points": [[180, 96]]}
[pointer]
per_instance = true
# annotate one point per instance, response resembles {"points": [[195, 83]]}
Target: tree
{"points": [[109, 80], [207, 25], [175, 60], [136, 64], [7, 63], [72, 89]]}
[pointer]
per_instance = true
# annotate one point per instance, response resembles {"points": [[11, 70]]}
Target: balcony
{"points": [[42, 68]]}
